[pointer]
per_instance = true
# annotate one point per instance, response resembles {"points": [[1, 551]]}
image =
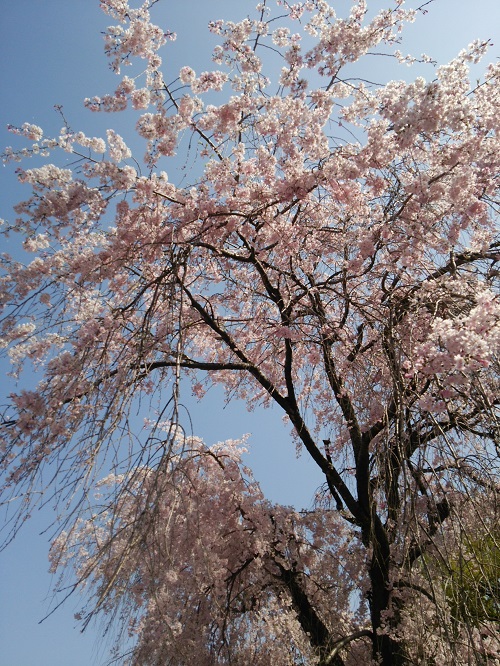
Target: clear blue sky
{"points": [[51, 53]]}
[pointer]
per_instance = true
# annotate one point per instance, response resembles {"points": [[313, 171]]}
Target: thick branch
{"points": [[289, 406], [312, 625], [330, 659]]}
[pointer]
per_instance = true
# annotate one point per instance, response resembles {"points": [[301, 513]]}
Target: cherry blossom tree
{"points": [[334, 254]]}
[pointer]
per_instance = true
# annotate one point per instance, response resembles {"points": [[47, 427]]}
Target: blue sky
{"points": [[52, 53]]}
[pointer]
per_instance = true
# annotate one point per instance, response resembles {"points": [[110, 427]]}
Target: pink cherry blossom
{"points": [[332, 251]]}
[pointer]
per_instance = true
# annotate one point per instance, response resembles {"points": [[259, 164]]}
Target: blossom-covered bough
{"points": [[334, 254]]}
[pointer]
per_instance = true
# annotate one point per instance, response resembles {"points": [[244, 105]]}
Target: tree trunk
{"points": [[383, 614]]}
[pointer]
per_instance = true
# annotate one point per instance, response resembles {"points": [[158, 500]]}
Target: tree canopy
{"points": [[334, 253]]}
